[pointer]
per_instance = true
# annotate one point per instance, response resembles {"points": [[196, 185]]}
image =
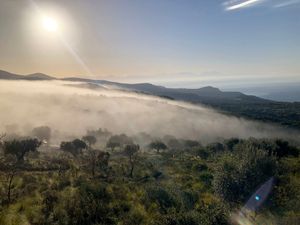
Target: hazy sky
{"points": [[157, 39]]}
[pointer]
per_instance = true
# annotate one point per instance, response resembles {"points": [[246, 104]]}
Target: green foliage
{"points": [[238, 175], [118, 141], [203, 153], [163, 198], [191, 143], [90, 140], [283, 149], [193, 185], [20, 148], [86, 205], [213, 214], [102, 160], [286, 197], [206, 178], [216, 147], [74, 147], [230, 143], [158, 145], [131, 152], [284, 113]]}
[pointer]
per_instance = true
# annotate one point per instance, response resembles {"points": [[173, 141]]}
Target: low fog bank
{"points": [[70, 109]]}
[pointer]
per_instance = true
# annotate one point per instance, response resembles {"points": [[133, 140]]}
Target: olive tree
{"points": [[90, 140], [19, 148], [118, 141], [158, 145], [131, 152], [98, 162], [74, 147]]}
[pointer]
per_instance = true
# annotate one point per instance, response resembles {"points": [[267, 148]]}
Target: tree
{"points": [[79, 144], [102, 163], [131, 152], [113, 142], [14, 152], [157, 145], [102, 135], [20, 148], [112, 145], [90, 140], [230, 143], [216, 147], [118, 141], [1, 141], [191, 143], [98, 161], [284, 149], [10, 176], [43, 133], [74, 147], [10, 170]]}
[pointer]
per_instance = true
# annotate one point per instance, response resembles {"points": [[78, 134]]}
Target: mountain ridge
{"points": [[229, 102], [184, 94], [5, 75]]}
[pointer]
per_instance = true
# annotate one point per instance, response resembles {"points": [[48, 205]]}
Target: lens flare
{"points": [[246, 216]]}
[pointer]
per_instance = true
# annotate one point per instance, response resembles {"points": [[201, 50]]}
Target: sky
{"points": [[179, 42]]}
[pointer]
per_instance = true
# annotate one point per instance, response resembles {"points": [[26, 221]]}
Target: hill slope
{"points": [[236, 103]]}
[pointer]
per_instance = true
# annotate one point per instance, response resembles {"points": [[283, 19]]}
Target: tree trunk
{"points": [[131, 170], [10, 180], [132, 167], [93, 168]]}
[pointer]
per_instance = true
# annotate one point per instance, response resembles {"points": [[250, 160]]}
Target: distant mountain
{"points": [[4, 75], [9, 76], [234, 103], [193, 95], [204, 94], [200, 95], [38, 76]]}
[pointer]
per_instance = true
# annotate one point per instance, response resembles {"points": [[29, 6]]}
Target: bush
{"points": [[238, 175]]}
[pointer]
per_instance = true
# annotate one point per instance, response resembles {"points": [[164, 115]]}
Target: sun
{"points": [[50, 24]]}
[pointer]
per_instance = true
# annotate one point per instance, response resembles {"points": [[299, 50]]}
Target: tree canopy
{"points": [[19, 148], [74, 147], [158, 145]]}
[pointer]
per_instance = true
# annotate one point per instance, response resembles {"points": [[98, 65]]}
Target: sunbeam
{"points": [[50, 24]]}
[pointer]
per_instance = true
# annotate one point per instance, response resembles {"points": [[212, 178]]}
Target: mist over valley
{"points": [[73, 108]]}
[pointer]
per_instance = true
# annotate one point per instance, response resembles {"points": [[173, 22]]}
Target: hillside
{"points": [[235, 103]]}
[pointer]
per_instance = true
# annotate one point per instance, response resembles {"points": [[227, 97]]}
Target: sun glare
{"points": [[50, 24]]}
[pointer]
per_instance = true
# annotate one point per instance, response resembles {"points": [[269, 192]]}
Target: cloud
{"points": [[239, 4], [286, 3], [233, 5]]}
